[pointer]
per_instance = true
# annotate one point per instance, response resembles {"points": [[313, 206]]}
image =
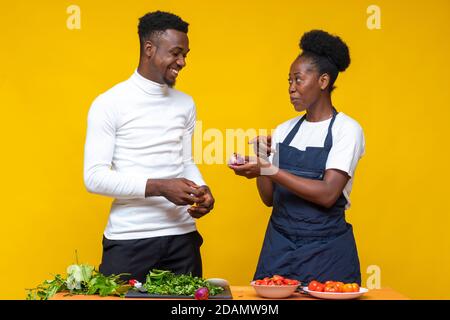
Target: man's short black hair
{"points": [[155, 23]]}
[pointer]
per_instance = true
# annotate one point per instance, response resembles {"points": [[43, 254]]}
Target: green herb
{"points": [[81, 279], [47, 289], [165, 282]]}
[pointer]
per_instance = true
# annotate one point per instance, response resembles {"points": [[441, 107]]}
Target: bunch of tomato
{"points": [[276, 280], [333, 286]]}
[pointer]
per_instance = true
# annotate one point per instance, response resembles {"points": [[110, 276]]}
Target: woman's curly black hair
{"points": [[158, 22], [327, 52]]}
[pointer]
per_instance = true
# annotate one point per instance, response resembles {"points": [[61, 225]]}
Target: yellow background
{"points": [[397, 88]]}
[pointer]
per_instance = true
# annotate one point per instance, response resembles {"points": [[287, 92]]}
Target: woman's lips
{"points": [[295, 100]]}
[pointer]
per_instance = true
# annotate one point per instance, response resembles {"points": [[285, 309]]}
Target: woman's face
{"points": [[304, 84]]}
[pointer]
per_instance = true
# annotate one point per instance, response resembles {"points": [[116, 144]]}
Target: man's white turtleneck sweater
{"points": [[140, 130]]}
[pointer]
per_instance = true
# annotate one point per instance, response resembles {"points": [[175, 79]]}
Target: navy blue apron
{"points": [[306, 241]]}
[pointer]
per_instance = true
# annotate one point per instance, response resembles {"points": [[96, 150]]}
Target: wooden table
{"points": [[248, 293]]}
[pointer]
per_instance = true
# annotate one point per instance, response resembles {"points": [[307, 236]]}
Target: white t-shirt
{"points": [[348, 142], [140, 130]]}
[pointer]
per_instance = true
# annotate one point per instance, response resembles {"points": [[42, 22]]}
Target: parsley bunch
{"points": [[165, 282]]}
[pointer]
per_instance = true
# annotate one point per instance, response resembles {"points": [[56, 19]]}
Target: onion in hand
{"points": [[236, 159]]}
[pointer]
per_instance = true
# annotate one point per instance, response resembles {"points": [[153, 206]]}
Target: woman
{"points": [[309, 179]]}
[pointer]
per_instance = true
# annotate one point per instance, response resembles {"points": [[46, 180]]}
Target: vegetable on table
{"points": [[276, 280], [333, 286], [165, 282], [81, 280], [201, 294]]}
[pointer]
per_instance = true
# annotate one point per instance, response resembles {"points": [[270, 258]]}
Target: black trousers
{"points": [[179, 254]]}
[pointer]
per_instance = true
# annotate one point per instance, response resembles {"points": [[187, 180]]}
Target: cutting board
{"points": [[225, 294]]}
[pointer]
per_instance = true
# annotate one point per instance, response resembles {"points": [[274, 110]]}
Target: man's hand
{"points": [[205, 205], [180, 191]]}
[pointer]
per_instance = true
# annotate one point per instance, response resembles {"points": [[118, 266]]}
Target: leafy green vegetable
{"points": [[77, 274], [165, 282], [47, 289], [81, 279]]}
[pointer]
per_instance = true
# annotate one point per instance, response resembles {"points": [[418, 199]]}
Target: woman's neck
{"points": [[321, 110]]}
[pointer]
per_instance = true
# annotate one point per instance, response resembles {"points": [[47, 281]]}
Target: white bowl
{"points": [[336, 295], [274, 291]]}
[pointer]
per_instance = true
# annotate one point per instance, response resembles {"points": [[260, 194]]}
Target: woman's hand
{"points": [[251, 168], [262, 146]]}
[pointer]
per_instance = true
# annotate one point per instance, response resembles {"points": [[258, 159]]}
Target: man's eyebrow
{"points": [[179, 48]]}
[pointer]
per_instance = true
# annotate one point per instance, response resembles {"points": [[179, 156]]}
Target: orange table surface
{"points": [[248, 293]]}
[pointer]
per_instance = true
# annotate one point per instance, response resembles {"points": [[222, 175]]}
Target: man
{"points": [[138, 150]]}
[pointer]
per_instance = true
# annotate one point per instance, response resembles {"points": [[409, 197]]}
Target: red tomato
{"points": [[331, 288], [347, 287], [313, 285], [354, 287], [277, 277], [320, 287], [290, 281], [276, 280], [339, 285], [132, 282]]}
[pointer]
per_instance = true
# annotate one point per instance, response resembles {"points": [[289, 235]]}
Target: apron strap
{"points": [[328, 140], [291, 135]]}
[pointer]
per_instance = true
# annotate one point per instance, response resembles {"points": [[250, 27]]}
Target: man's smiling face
{"points": [[168, 57]]}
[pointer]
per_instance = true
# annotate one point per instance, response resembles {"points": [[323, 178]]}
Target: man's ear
{"points": [[149, 48], [324, 81]]}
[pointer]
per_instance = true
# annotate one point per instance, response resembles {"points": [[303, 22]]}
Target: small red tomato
{"points": [[331, 288], [347, 287], [355, 287], [132, 282], [313, 285], [350, 287], [320, 287], [277, 277], [290, 281], [339, 285]]}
